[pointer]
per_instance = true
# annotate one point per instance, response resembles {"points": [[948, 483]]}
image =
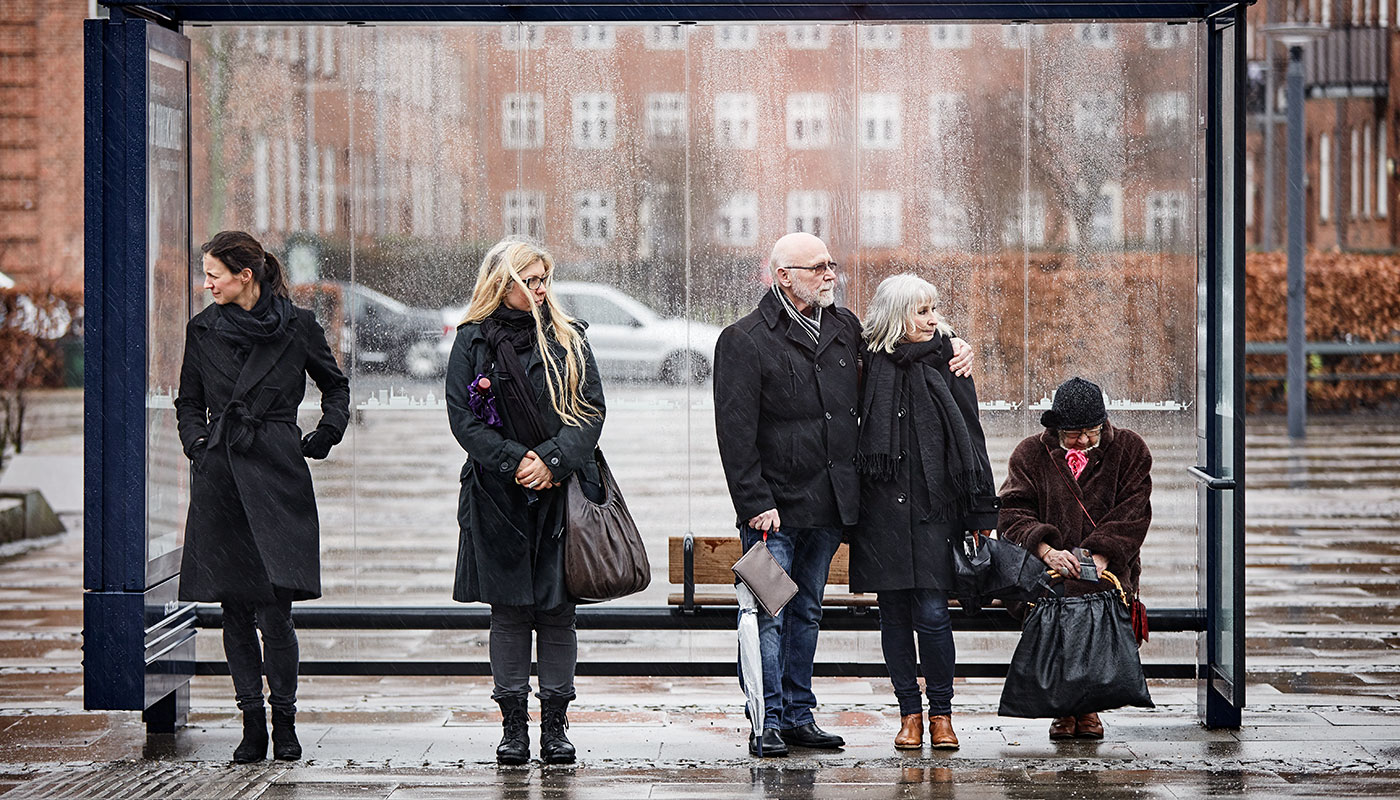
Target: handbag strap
{"points": [[1073, 490]]}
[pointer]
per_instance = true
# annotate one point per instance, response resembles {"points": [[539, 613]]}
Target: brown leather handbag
{"points": [[603, 554]]}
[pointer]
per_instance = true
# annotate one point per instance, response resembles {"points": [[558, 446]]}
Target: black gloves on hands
{"points": [[319, 442]]}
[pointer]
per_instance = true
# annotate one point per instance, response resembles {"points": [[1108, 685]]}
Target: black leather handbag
{"points": [[603, 554]]}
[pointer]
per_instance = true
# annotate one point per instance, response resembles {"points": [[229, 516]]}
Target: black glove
{"points": [[318, 443], [198, 450]]}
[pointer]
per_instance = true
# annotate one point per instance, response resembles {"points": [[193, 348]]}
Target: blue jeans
{"points": [[903, 613], [788, 642]]}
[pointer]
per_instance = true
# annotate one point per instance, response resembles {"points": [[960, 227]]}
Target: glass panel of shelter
{"points": [[1049, 193]]}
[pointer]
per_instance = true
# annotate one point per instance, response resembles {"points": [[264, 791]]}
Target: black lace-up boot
{"points": [[555, 747], [515, 737]]}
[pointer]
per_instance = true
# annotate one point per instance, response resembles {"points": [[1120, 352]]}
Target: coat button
{"points": [[554, 461], [902, 454], [819, 368], [901, 412], [853, 411], [828, 415], [901, 498], [505, 466], [841, 361], [830, 464]]}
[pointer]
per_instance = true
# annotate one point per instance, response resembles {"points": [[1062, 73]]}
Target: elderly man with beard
{"points": [[787, 394]]}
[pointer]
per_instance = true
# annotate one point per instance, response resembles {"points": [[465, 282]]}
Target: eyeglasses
{"points": [[821, 268], [1090, 433], [536, 282]]}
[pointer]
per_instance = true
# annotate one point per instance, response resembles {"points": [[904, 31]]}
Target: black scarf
{"points": [[932, 429], [264, 323], [511, 334]]}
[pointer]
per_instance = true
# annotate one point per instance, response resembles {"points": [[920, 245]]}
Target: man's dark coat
{"points": [[252, 521], [785, 416], [1040, 500], [511, 552]]}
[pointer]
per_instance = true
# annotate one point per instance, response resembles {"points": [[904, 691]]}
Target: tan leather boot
{"points": [[911, 732], [940, 732]]}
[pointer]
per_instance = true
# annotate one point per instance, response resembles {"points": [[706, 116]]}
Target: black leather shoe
{"points": [[810, 735], [772, 744]]}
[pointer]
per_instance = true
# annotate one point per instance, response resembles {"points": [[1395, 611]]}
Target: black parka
{"points": [[895, 546], [786, 416], [252, 521], [507, 553]]}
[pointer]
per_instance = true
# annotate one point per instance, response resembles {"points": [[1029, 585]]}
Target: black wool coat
{"points": [[900, 546], [786, 416], [511, 552], [252, 521]]}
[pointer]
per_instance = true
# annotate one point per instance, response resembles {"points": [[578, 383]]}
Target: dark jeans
{"points": [[788, 642], [903, 613], [557, 642], [278, 656]]}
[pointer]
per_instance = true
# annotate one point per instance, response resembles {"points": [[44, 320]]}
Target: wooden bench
{"points": [[706, 561]]}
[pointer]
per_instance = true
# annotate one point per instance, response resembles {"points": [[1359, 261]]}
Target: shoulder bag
{"points": [[603, 554]]}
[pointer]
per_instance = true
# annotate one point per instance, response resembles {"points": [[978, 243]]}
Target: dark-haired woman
{"points": [[252, 541], [525, 402]]}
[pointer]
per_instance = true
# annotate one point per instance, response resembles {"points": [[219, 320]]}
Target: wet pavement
{"points": [[1323, 716]]}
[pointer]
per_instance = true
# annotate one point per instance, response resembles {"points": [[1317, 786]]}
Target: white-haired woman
{"points": [[925, 479], [524, 400]]}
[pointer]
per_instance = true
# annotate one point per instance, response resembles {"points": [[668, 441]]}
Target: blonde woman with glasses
{"points": [[925, 480], [525, 402]]}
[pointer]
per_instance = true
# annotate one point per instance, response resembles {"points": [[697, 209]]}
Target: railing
{"points": [[1350, 57], [1325, 349]]}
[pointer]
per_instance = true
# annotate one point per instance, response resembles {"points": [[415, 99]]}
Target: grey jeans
{"points": [[279, 654], [556, 641]]}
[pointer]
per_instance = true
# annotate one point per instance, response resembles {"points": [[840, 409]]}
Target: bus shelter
{"points": [[1066, 173]]}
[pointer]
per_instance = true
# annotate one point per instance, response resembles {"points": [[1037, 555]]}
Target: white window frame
{"points": [[881, 218], [1110, 224], [511, 38], [1382, 168], [1368, 189], [329, 212], [950, 37], [1167, 112], [736, 120], [1324, 178], [1098, 35], [313, 182], [594, 120], [1032, 206], [1096, 117], [665, 37], [1161, 36], [666, 114], [1165, 218], [946, 111], [328, 51], [522, 213], [1355, 182], [595, 218], [809, 211], [880, 120], [808, 37], [1251, 191], [421, 200], [808, 120], [736, 37], [262, 195], [279, 185], [525, 111], [594, 37], [949, 227], [878, 37], [736, 222]]}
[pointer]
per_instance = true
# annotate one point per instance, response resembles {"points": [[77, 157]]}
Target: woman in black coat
{"points": [[252, 541], [525, 402], [925, 480]]}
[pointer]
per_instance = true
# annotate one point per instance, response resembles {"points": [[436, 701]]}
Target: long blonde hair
{"points": [[500, 271], [890, 311]]}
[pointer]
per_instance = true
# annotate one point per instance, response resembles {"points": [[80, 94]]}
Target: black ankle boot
{"points": [[555, 747], [515, 726], [254, 744], [285, 746]]}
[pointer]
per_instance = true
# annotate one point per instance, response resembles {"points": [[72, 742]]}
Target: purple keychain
{"points": [[482, 402]]}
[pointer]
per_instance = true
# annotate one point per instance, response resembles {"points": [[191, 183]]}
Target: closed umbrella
{"points": [[996, 569], [750, 659]]}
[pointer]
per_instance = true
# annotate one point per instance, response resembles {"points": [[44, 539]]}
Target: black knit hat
{"points": [[1078, 404]]}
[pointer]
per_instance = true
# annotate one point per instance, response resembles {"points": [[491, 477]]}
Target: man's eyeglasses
{"points": [[1090, 433], [536, 282], [821, 268]]}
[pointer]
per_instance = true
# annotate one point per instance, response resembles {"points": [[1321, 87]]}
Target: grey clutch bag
{"points": [[765, 577]]}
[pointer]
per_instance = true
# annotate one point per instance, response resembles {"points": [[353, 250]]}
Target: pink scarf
{"points": [[1077, 460]]}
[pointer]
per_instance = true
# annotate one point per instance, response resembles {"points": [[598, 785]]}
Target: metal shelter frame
{"points": [[139, 640]]}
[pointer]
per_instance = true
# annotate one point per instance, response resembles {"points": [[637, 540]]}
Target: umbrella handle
{"points": [[1113, 579]]}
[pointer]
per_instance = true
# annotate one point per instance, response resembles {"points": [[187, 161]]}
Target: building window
{"points": [[737, 224], [665, 119], [736, 123], [1025, 225], [522, 213], [809, 212], [328, 204], [422, 209], [1251, 191], [294, 187], [665, 37], [262, 208], [945, 114], [1161, 36], [1166, 113], [1096, 117], [808, 37], [948, 226], [1367, 190], [879, 120], [1382, 184], [1355, 182], [522, 124], [1324, 177], [595, 121], [1094, 34], [881, 219], [878, 37], [594, 37], [1106, 224], [1166, 218], [518, 35], [808, 126], [593, 218], [328, 51], [279, 185], [313, 185], [946, 37], [736, 37]]}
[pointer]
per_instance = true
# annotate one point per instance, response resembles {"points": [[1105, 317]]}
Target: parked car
{"points": [[387, 334], [629, 339]]}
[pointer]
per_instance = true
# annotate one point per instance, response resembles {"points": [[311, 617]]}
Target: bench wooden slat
{"points": [[714, 555], [723, 599]]}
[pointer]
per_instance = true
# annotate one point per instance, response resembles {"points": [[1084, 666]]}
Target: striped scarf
{"points": [[812, 325]]}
